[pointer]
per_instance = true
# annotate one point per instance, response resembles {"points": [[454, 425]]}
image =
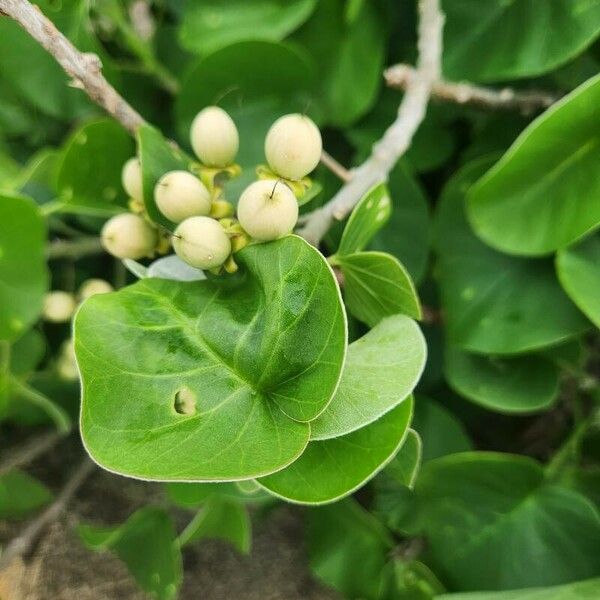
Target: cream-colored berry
{"points": [[180, 195], [131, 177], [293, 146], [58, 307], [66, 365], [214, 137], [268, 210], [91, 287], [129, 236], [201, 242]]}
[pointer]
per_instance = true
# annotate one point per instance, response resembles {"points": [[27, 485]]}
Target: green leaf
{"points": [[215, 24], [89, 172], [26, 353], [403, 468], [21, 494], [376, 285], [349, 77], [146, 544], [494, 303], [480, 504], [332, 469], [545, 191], [260, 352], [581, 590], [157, 156], [367, 218], [256, 82], [23, 273], [522, 384], [578, 269], [348, 549], [382, 368], [194, 495], [223, 519], [495, 39]]}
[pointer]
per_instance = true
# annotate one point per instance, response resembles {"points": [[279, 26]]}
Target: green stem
{"points": [[74, 249], [187, 534]]}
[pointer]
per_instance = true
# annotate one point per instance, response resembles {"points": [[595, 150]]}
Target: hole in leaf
{"points": [[185, 402]]}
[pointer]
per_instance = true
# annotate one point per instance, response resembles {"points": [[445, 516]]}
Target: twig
{"points": [[335, 167], [526, 101], [74, 249], [396, 140], [23, 544], [84, 68], [32, 448]]}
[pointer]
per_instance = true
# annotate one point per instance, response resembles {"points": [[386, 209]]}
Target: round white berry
{"points": [[58, 307], [201, 242], [131, 177], [293, 146], [91, 287], [129, 236], [214, 137], [180, 195], [66, 364], [268, 210]]}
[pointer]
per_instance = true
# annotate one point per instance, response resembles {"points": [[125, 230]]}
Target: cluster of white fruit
{"points": [[206, 235]]}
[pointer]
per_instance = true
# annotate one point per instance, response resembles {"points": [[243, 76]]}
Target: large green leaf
{"points": [[89, 171], [21, 494], [578, 269], [521, 384], [494, 303], [376, 285], [382, 368], [479, 504], [334, 468], [403, 468], [211, 25], [545, 191], [496, 39], [256, 82], [23, 274], [146, 544], [260, 352]]}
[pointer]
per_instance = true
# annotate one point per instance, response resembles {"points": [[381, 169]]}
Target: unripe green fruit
{"points": [[293, 146], [267, 210], [129, 236], [91, 287], [214, 137], [131, 177], [180, 195], [201, 242], [58, 307]]}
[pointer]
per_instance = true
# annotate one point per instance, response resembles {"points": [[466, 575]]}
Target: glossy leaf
{"points": [[516, 385], [403, 468], [376, 285], [538, 533], [535, 199], [23, 274], [494, 303], [21, 494], [146, 544], [332, 469], [382, 368], [367, 218], [215, 24], [578, 269], [261, 353], [495, 40]]}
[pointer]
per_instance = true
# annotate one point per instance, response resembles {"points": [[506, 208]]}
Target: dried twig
{"points": [[396, 140], [24, 542], [27, 453], [525, 101]]}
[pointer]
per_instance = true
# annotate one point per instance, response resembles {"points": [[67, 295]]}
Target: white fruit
{"points": [[129, 236], [180, 195], [267, 210], [66, 364], [91, 287], [201, 242], [131, 177], [214, 137], [58, 307], [293, 146]]}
